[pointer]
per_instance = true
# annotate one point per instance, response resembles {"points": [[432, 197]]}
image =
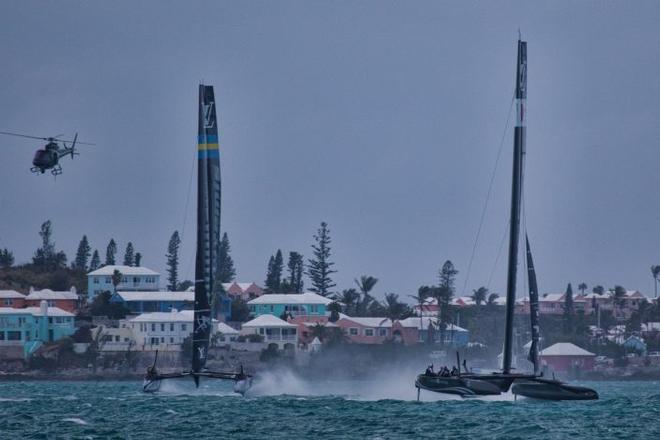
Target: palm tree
{"points": [[365, 284], [582, 287], [655, 270], [492, 298], [116, 279], [350, 298], [480, 295], [393, 308], [598, 290]]}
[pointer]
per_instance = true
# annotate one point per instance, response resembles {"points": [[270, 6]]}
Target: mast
{"points": [[208, 225], [516, 193]]}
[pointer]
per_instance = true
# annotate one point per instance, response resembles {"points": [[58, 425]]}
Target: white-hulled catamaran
{"points": [[533, 385], [206, 262]]}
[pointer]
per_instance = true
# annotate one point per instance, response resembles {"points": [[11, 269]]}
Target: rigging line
{"points": [[499, 252], [490, 189]]}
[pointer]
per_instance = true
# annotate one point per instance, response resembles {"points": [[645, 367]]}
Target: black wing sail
{"points": [[533, 309], [208, 225]]}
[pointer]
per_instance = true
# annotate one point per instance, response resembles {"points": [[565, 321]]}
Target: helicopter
{"points": [[48, 157]]}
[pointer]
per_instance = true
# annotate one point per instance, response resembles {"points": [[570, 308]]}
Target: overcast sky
{"points": [[381, 118]]}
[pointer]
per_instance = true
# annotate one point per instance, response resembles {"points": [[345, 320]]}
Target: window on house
{"points": [[353, 331], [51, 303], [124, 280], [162, 327], [382, 332], [153, 327], [2, 336], [136, 280], [171, 340], [171, 326], [9, 302], [314, 308], [184, 327], [117, 338], [13, 336], [95, 280], [368, 332]]}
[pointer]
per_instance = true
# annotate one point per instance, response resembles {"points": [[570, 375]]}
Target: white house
{"points": [[133, 278], [274, 331], [226, 333]]}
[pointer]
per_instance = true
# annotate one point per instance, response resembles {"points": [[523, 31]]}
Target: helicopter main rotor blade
{"points": [[23, 135]]}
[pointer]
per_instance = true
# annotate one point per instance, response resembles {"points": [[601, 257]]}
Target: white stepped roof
{"points": [[125, 270], [34, 311], [291, 298], [9, 294], [173, 316], [226, 330], [157, 296], [565, 349], [268, 321], [46, 294], [369, 321], [415, 321]]}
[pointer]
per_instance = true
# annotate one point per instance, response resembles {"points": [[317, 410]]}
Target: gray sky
{"points": [[381, 118]]}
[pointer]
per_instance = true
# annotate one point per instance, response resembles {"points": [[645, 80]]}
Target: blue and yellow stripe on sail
{"points": [[207, 146]]}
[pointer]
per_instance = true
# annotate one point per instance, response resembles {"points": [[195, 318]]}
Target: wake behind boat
{"points": [[527, 385], [207, 255]]}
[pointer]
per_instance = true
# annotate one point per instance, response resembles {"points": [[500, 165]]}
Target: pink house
{"points": [[376, 330], [11, 298], [244, 291]]}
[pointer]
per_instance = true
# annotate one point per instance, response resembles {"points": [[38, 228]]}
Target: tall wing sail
{"points": [[208, 224], [533, 309], [516, 194]]}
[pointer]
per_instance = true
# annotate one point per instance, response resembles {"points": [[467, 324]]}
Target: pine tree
{"points": [[274, 274], [173, 261], [82, 254], [129, 255], [226, 270], [568, 310], [138, 259], [295, 266], [45, 257], [110, 253], [319, 268], [96, 261], [6, 258]]}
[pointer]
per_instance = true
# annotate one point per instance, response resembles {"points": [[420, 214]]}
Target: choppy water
{"points": [[330, 410]]}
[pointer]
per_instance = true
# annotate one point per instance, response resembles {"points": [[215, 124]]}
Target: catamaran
{"points": [[466, 384], [206, 261]]}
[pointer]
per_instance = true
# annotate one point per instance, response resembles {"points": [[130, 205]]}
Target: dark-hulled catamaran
{"points": [[527, 385], [206, 262]]}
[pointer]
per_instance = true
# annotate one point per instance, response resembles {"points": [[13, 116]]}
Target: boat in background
{"points": [[468, 384], [207, 254]]}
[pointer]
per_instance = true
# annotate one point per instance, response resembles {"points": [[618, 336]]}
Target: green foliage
{"points": [[366, 304], [138, 259], [350, 299], [480, 295], [96, 261], [444, 293], [102, 306], [116, 279], [226, 270], [6, 258], [110, 253], [25, 276], [334, 308], [295, 266], [598, 290], [394, 309], [184, 285], [129, 255], [582, 287], [274, 273], [82, 254], [319, 268], [173, 261], [46, 258], [240, 310]]}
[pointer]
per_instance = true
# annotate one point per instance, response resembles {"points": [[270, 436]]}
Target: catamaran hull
{"points": [[553, 391], [464, 387]]}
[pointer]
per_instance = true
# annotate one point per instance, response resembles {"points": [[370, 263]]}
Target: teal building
{"points": [[294, 304], [31, 327]]}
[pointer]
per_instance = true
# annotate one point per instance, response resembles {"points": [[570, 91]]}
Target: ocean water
{"points": [[284, 406]]}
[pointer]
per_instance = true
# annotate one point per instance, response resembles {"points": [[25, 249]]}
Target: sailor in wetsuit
{"points": [[429, 371]]}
